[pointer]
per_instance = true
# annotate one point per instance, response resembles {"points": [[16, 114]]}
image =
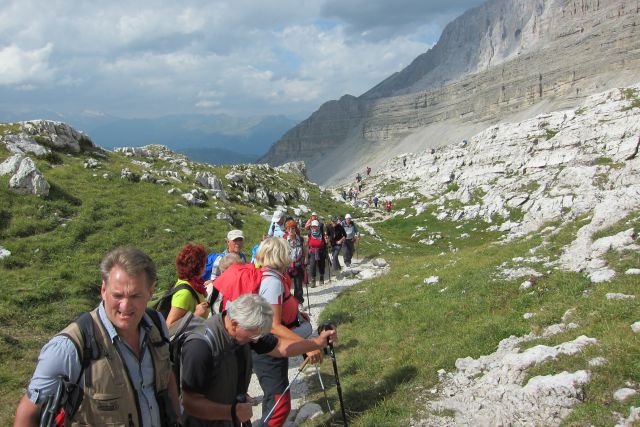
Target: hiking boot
{"points": [[313, 284], [322, 279]]}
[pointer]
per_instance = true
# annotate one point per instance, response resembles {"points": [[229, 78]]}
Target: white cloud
{"points": [[18, 66], [236, 56]]}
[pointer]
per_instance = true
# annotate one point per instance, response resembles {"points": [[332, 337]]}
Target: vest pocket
{"points": [[106, 409]]}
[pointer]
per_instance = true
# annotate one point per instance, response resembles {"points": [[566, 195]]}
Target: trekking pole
{"points": [[325, 326], [327, 260], [300, 369], [324, 390], [52, 407]]}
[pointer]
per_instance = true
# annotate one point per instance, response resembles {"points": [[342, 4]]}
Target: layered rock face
{"points": [[500, 58]]}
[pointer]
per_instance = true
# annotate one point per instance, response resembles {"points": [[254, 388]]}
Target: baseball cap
{"points": [[347, 216], [276, 216], [315, 223], [235, 234], [314, 214]]}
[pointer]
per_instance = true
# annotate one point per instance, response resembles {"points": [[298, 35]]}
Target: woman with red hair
{"points": [[190, 264]]}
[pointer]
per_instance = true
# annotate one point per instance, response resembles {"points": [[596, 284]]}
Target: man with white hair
{"points": [[216, 367]]}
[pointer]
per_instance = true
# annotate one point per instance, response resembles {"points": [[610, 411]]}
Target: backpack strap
{"points": [[187, 286], [91, 350], [158, 322]]}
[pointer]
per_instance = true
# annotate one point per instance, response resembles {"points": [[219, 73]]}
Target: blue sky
{"points": [[148, 58]]}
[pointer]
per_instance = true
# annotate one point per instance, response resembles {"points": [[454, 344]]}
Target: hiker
{"points": [[190, 264], [254, 249], [126, 356], [297, 255], [288, 323], [213, 380], [336, 236], [358, 177], [404, 162], [313, 217], [375, 201], [368, 170], [316, 253], [235, 243], [344, 196], [276, 229], [387, 205], [350, 240]]}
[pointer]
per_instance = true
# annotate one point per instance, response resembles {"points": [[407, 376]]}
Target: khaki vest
{"points": [[109, 397]]}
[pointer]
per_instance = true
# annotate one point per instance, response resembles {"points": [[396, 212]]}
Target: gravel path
{"points": [[319, 297]]}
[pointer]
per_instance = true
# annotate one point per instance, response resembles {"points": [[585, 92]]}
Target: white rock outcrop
{"points": [[29, 180]]}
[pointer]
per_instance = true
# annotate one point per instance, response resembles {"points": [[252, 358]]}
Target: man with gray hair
{"points": [[216, 370]]}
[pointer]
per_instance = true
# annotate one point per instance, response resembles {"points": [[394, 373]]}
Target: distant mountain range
{"points": [[215, 139]]}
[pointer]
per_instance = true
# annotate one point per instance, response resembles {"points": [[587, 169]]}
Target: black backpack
{"points": [[163, 304]]}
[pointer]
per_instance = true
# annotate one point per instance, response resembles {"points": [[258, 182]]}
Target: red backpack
{"points": [[240, 279]]}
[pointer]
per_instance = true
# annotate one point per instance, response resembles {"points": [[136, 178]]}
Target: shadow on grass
{"points": [[358, 401], [57, 193]]}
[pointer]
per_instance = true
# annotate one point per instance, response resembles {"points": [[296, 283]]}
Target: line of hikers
{"points": [[190, 362]]}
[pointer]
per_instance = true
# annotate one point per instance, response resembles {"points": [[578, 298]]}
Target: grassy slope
{"points": [[52, 274], [397, 332]]}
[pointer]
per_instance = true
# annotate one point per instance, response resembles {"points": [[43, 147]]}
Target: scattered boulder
{"points": [[635, 327], [379, 262], [624, 393], [128, 175], [223, 216], [618, 296], [29, 180], [297, 168], [303, 194], [308, 411], [23, 144], [4, 253], [192, 200], [11, 164], [431, 280], [632, 271], [90, 163]]}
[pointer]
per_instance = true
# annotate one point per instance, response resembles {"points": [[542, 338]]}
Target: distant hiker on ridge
{"points": [[351, 239], [336, 235]]}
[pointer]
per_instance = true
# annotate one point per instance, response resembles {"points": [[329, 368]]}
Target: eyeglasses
{"points": [[255, 338]]}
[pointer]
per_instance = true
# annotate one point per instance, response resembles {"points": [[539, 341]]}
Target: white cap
{"points": [[277, 215], [235, 234], [347, 216], [313, 213], [315, 223]]}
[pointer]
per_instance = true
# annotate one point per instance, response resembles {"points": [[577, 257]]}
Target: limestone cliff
{"points": [[502, 58]]}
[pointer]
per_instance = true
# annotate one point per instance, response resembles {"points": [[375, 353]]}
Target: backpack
{"points": [[187, 328], [163, 303], [211, 260], [240, 279], [315, 243]]}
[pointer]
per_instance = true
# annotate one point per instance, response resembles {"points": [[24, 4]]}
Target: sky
{"points": [[151, 58]]}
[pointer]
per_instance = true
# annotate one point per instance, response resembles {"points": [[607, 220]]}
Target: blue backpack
{"points": [[211, 259]]}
